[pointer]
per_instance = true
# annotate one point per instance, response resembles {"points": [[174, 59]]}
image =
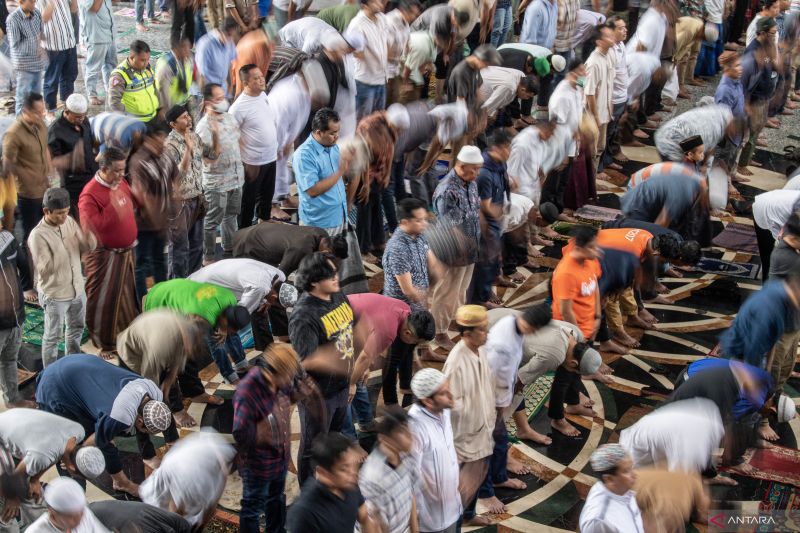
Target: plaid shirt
{"points": [[566, 24], [390, 490], [24, 36], [253, 402]]}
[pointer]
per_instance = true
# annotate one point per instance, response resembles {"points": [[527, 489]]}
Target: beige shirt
{"points": [[667, 499], [600, 72], [56, 252], [545, 350], [154, 343], [473, 415]]}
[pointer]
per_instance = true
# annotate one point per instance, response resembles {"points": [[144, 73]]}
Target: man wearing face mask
{"points": [[131, 87]]}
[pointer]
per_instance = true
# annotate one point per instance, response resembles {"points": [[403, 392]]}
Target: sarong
{"points": [[111, 303]]}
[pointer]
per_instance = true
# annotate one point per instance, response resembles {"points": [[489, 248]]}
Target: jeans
{"points": [[369, 98], [60, 76], [360, 410], [139, 5], [312, 425], [221, 216], [100, 58], [502, 24], [27, 83], [222, 353], [257, 193], [56, 315], [185, 249], [10, 343], [199, 25], [150, 260], [263, 495]]}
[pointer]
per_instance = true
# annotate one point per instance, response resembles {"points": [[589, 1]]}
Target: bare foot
{"points": [[276, 213], [517, 277], [647, 316], [128, 487], [624, 339], [744, 469], [661, 299], [504, 281], [208, 398], [153, 463], [613, 347], [107, 355], [601, 377], [580, 410], [478, 521], [534, 253], [141, 28], [184, 420], [567, 218], [444, 341], [637, 322], [565, 428], [673, 273], [661, 288], [30, 296], [493, 505], [722, 480], [490, 304], [794, 375], [513, 484], [767, 433], [763, 444], [515, 467], [430, 355], [534, 436], [369, 258], [547, 231], [585, 400]]}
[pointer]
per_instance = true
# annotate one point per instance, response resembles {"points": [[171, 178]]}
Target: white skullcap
{"points": [[706, 100], [786, 409], [90, 462], [470, 155], [332, 40], [590, 361], [606, 457], [397, 115], [355, 40], [64, 495], [77, 103], [287, 295], [558, 62], [157, 416], [426, 382]]}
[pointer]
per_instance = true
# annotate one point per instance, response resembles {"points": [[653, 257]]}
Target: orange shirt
{"points": [[577, 282], [631, 240]]}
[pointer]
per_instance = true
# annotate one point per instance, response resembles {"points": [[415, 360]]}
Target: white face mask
{"points": [[221, 107]]}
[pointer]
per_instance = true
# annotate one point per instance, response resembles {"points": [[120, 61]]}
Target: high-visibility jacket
{"points": [[139, 98], [178, 92]]}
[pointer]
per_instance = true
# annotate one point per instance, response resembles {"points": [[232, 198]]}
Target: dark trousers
{"points": [[263, 495], [736, 22], [30, 213], [515, 249], [182, 22], [369, 221], [150, 260], [566, 387], [488, 266], [395, 192], [652, 97], [401, 358], [257, 193], [612, 139], [555, 184], [189, 380], [268, 325], [60, 76], [185, 249], [316, 420], [766, 242]]}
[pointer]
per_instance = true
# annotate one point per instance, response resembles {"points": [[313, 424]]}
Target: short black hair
{"points": [[30, 99], [176, 40], [538, 315], [338, 244], [244, 72], [393, 417], [407, 206], [528, 84], [690, 252], [313, 269], [328, 449], [792, 226], [584, 234], [768, 3], [139, 47], [408, 5], [499, 137], [110, 156], [229, 25], [611, 22], [323, 118], [208, 90], [668, 246], [14, 485], [156, 128], [422, 324], [574, 64]]}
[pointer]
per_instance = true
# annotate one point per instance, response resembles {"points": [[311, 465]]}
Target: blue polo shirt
{"points": [[312, 163], [214, 58]]}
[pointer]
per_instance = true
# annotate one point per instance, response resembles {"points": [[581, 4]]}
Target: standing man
{"points": [[370, 68], [398, 24], [566, 23], [173, 76], [244, 12], [539, 24], [215, 52], [599, 86], [59, 41], [12, 316], [24, 30], [438, 500], [57, 244], [223, 175], [131, 88], [319, 169], [107, 207], [101, 45], [322, 316], [186, 151], [619, 95], [258, 144], [457, 204], [71, 144]]}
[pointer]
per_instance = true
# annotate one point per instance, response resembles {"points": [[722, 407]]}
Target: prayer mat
{"points": [[23, 376], [33, 328], [563, 228], [597, 213], [775, 464], [615, 177], [710, 265], [536, 395], [126, 12], [739, 237], [780, 497]]}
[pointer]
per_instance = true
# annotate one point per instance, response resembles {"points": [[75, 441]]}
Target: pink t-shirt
{"points": [[385, 317]]}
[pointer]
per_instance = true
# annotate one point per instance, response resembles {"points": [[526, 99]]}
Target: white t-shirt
{"points": [[248, 279], [714, 10], [372, 68], [772, 209], [305, 34], [257, 123], [606, 512], [37, 437], [566, 108]]}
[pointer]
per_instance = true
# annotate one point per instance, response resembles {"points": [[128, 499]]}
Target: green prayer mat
{"points": [[536, 395], [33, 328]]}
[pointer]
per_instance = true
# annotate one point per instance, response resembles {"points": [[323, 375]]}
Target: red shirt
{"points": [[385, 316], [108, 213]]}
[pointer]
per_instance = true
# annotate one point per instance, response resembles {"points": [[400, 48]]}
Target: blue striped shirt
{"points": [[24, 35]]}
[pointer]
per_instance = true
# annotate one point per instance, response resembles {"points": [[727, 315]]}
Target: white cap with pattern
{"points": [[90, 462], [426, 382], [157, 416]]}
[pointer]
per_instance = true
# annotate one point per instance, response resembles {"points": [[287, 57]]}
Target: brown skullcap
{"points": [[471, 316]]}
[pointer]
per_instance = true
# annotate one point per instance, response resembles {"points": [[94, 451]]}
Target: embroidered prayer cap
{"points": [[77, 103], [558, 62], [90, 462], [157, 416], [606, 457], [786, 409], [472, 316], [690, 143], [287, 295], [590, 360], [426, 382], [64, 495], [471, 155]]}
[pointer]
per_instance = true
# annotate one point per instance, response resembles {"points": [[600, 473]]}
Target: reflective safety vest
{"points": [[177, 95], [139, 98]]}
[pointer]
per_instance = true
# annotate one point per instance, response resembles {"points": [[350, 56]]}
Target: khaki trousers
{"points": [[449, 294], [618, 307], [784, 358]]}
